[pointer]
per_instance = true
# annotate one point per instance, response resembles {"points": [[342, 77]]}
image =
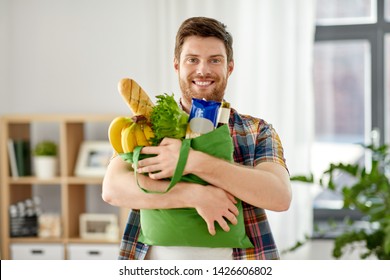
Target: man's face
{"points": [[203, 69]]}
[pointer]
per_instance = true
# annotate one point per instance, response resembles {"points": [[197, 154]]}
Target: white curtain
{"points": [[273, 42]]}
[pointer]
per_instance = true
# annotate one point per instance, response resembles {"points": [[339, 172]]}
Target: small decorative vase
{"points": [[45, 166]]}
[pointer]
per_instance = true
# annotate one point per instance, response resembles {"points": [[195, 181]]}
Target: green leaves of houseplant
{"points": [[368, 192], [45, 148]]}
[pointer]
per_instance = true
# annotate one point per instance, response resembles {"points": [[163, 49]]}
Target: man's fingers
{"points": [[150, 150], [224, 225], [232, 218], [211, 228], [232, 198], [234, 210]]}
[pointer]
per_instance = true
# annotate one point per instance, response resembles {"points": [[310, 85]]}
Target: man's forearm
{"points": [[266, 185], [120, 189]]}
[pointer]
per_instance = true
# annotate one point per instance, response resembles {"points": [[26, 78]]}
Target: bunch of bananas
{"points": [[125, 133]]}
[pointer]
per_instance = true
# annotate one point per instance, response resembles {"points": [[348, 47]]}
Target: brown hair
{"points": [[204, 27]]}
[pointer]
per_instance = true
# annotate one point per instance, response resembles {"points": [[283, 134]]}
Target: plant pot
{"points": [[45, 166]]}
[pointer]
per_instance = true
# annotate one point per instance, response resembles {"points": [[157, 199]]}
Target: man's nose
{"points": [[203, 69]]}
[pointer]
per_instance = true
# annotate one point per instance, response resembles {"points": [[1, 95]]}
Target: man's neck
{"points": [[183, 106]]}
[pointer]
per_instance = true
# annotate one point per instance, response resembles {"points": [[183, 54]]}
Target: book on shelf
{"points": [[12, 158], [20, 156]]}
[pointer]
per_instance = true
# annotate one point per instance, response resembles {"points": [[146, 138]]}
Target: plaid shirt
{"points": [[255, 141]]}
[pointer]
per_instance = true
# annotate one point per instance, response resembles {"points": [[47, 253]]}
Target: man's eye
{"points": [[192, 60], [215, 60]]}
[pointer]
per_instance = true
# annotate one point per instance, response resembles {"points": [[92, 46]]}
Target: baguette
{"points": [[135, 97]]}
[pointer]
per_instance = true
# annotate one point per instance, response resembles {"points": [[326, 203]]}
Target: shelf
{"points": [[84, 180], [35, 240], [70, 196], [30, 180], [69, 118], [92, 241]]}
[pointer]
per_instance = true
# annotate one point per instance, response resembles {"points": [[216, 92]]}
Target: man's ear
{"points": [[176, 64], [230, 67]]}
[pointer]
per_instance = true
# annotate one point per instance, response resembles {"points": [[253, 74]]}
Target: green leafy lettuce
{"points": [[167, 119]]}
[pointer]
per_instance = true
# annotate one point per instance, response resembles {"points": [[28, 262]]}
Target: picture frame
{"points": [[93, 158], [98, 226]]}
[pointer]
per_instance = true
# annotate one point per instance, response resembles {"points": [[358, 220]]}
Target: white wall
{"points": [[67, 56], [4, 55]]}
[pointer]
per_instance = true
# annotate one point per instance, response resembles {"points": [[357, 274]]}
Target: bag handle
{"points": [[181, 163]]}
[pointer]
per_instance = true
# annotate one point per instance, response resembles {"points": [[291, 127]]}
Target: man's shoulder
{"points": [[247, 120]]}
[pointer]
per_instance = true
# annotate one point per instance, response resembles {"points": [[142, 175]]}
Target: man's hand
{"points": [[216, 205], [162, 165]]}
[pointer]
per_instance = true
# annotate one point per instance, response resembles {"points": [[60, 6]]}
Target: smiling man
{"points": [[203, 72], [258, 177]]}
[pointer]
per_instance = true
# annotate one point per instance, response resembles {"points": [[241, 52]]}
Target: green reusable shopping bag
{"points": [[184, 226]]}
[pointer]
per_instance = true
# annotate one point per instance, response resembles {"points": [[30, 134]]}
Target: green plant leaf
{"points": [[303, 178], [386, 243], [367, 190], [45, 148]]}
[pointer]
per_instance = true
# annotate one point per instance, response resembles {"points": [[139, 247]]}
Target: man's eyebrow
{"points": [[191, 54], [217, 55], [197, 55]]}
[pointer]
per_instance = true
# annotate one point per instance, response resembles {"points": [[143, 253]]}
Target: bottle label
{"points": [[223, 115]]}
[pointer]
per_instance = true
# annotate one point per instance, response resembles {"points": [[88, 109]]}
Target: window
{"points": [[387, 73], [387, 87], [351, 82], [341, 80], [351, 76], [336, 12]]}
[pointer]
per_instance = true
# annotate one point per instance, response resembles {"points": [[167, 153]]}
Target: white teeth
{"points": [[202, 83]]}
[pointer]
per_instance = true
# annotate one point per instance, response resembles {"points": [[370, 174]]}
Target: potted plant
{"points": [[369, 193], [45, 159]]}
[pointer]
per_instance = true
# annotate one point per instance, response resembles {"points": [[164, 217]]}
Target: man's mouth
{"points": [[203, 83]]}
